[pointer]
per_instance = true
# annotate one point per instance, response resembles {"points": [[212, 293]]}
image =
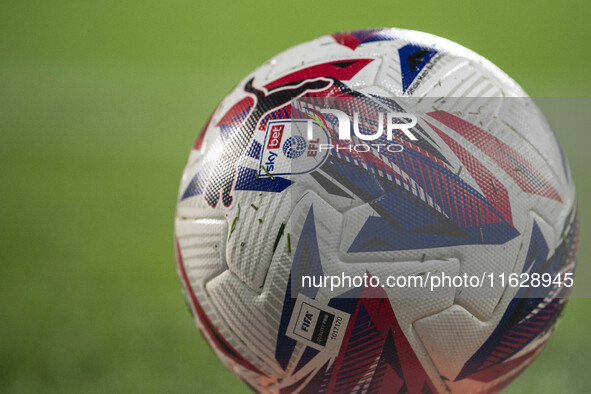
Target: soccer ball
{"points": [[478, 188]]}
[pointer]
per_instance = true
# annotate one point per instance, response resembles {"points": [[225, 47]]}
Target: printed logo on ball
{"points": [[275, 135], [288, 151], [317, 325]]}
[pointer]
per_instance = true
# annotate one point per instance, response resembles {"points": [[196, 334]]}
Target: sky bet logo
{"points": [[275, 135], [286, 150]]}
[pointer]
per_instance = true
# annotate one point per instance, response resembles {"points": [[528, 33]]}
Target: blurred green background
{"points": [[100, 102]]}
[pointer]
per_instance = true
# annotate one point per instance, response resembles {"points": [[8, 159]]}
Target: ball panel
{"points": [[244, 234]]}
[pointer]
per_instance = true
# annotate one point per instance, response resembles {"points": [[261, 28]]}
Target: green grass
{"points": [[99, 105]]}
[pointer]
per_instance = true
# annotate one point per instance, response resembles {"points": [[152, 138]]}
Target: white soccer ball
{"points": [[483, 191]]}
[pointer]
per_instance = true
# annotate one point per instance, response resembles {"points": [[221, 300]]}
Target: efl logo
{"points": [[275, 136], [286, 150]]}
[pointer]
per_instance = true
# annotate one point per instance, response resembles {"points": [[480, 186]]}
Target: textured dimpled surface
{"points": [[484, 188]]}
